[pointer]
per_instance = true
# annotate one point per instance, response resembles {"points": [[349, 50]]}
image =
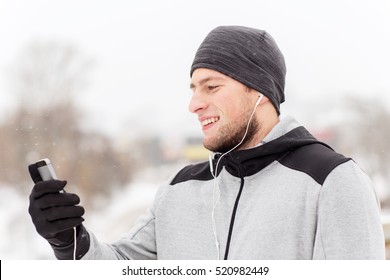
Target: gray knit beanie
{"points": [[247, 55]]}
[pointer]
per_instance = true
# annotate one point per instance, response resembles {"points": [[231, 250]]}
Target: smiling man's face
{"points": [[223, 106]]}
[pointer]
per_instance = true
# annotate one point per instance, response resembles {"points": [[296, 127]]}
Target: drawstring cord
{"points": [[233, 216]]}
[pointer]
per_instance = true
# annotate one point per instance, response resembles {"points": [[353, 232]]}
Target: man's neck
{"points": [[265, 128]]}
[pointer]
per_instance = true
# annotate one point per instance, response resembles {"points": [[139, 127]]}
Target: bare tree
{"points": [[47, 123]]}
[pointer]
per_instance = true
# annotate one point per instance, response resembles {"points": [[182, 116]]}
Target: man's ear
{"points": [[262, 99]]}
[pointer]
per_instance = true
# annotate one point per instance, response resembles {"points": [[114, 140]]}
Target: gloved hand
{"points": [[55, 213]]}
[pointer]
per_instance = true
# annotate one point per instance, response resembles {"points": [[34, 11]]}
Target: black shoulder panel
{"points": [[315, 160], [198, 171]]}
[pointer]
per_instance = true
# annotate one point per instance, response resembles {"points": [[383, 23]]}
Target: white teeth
{"points": [[210, 120]]}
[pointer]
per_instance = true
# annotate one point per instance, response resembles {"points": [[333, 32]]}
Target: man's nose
{"points": [[197, 103]]}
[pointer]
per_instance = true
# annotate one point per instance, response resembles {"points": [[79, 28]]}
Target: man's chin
{"points": [[209, 145], [216, 147]]}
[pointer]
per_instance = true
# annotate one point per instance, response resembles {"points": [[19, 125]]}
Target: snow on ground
{"points": [[18, 238]]}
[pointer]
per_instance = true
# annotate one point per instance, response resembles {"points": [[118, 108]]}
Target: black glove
{"points": [[55, 214]]}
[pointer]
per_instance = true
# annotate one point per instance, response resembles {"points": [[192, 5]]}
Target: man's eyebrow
{"points": [[205, 80]]}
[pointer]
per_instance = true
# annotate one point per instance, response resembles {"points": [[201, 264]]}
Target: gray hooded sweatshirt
{"points": [[292, 197]]}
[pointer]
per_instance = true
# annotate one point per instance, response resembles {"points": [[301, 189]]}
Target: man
{"points": [[270, 190]]}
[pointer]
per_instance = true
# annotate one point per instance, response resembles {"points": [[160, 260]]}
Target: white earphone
{"points": [[216, 188], [259, 100]]}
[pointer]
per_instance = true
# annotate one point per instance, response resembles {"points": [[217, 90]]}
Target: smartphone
{"points": [[42, 170]]}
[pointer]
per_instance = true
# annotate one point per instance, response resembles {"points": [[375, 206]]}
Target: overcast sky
{"points": [[143, 51]]}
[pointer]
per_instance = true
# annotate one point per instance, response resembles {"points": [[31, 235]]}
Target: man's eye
{"points": [[212, 87]]}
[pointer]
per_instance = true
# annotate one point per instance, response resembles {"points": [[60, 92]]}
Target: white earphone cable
{"points": [[75, 243], [216, 186]]}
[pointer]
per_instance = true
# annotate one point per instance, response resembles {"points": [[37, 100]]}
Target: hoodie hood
{"points": [[251, 161]]}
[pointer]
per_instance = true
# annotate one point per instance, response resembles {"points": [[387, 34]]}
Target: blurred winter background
{"points": [[102, 87]]}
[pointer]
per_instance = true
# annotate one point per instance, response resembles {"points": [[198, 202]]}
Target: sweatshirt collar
{"points": [[286, 136]]}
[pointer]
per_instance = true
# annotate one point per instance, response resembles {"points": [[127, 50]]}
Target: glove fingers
{"points": [[45, 187], [55, 213], [57, 199], [63, 212]]}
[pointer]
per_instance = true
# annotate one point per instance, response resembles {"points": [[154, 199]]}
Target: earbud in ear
{"points": [[259, 100]]}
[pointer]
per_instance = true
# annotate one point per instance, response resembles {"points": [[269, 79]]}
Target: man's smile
{"points": [[207, 122]]}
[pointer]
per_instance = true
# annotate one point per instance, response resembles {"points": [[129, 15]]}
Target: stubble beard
{"points": [[231, 134]]}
